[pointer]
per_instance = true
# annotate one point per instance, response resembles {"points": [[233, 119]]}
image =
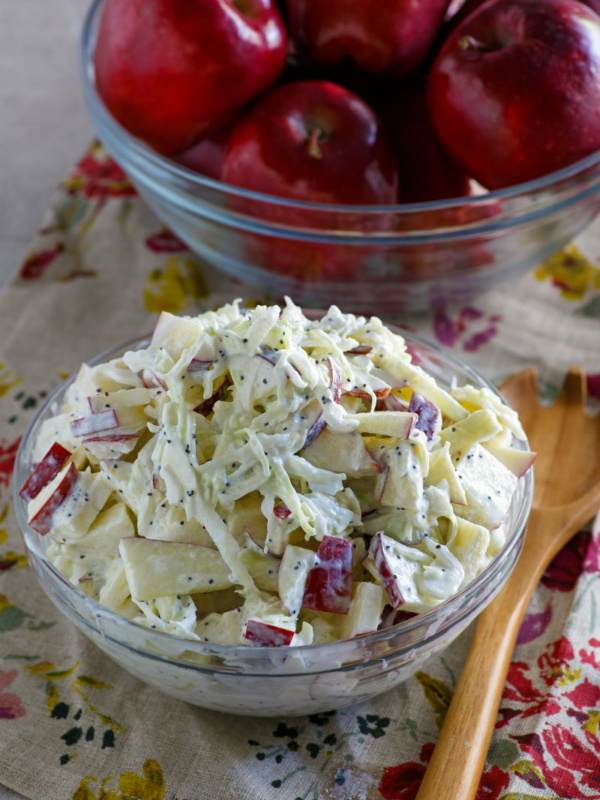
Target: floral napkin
{"points": [[75, 726]]}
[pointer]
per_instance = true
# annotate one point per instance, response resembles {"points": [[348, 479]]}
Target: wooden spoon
{"points": [[566, 496]]}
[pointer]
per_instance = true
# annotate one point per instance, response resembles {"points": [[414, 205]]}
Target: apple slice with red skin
{"points": [[329, 583], [516, 461], [116, 438], [95, 423], [380, 394], [335, 379], [394, 571], [392, 616], [41, 522], [152, 381], [45, 471], [343, 452], [429, 416], [281, 511], [198, 365], [265, 635], [206, 406]]}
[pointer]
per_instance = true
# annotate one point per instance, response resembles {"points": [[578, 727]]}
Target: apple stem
{"points": [[470, 43], [314, 151]]}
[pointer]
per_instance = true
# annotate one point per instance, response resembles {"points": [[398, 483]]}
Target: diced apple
{"points": [[393, 616], [317, 427], [401, 481], [269, 354], [313, 415], [359, 350], [206, 406], [429, 416], [441, 469], [152, 381], [121, 399], [263, 567], [105, 532], [157, 568], [329, 583], [469, 543], [175, 333], [44, 472], [480, 426], [281, 511], [342, 453], [264, 635], [88, 496], [488, 484], [198, 365], [95, 423], [380, 392], [515, 460], [395, 570], [294, 568], [365, 610], [335, 379], [58, 491], [398, 424], [115, 590]]}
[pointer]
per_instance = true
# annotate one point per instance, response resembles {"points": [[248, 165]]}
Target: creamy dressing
{"points": [[264, 437]]}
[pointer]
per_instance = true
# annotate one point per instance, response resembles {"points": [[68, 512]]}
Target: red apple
{"points": [[171, 70], [465, 10], [514, 92], [329, 582], [312, 141], [425, 171], [385, 39], [44, 472], [206, 156]]}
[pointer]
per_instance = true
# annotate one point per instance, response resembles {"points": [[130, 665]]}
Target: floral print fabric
{"points": [[74, 725]]}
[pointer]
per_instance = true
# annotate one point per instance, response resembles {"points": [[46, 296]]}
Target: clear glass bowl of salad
{"points": [[323, 657]]}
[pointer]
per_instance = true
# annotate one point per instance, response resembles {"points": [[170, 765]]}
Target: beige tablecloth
{"points": [[75, 725]]}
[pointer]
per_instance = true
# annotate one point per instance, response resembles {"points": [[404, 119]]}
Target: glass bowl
{"points": [[274, 681], [378, 259]]}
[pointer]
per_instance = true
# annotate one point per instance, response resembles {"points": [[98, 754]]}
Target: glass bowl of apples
{"points": [[264, 676], [377, 227]]}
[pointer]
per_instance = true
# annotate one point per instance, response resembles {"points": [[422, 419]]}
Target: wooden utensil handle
{"points": [[454, 772]]}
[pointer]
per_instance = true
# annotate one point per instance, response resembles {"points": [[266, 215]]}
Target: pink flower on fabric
{"points": [[8, 453], [402, 781], [567, 566], [10, 704], [593, 385], [470, 329], [96, 175], [165, 242]]}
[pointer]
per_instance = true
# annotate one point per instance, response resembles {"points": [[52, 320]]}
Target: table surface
{"points": [[44, 124]]}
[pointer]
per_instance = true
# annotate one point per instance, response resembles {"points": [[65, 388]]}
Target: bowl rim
{"points": [[144, 153], [234, 653]]}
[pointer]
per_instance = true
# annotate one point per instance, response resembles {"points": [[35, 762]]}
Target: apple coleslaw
{"points": [[258, 477]]}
